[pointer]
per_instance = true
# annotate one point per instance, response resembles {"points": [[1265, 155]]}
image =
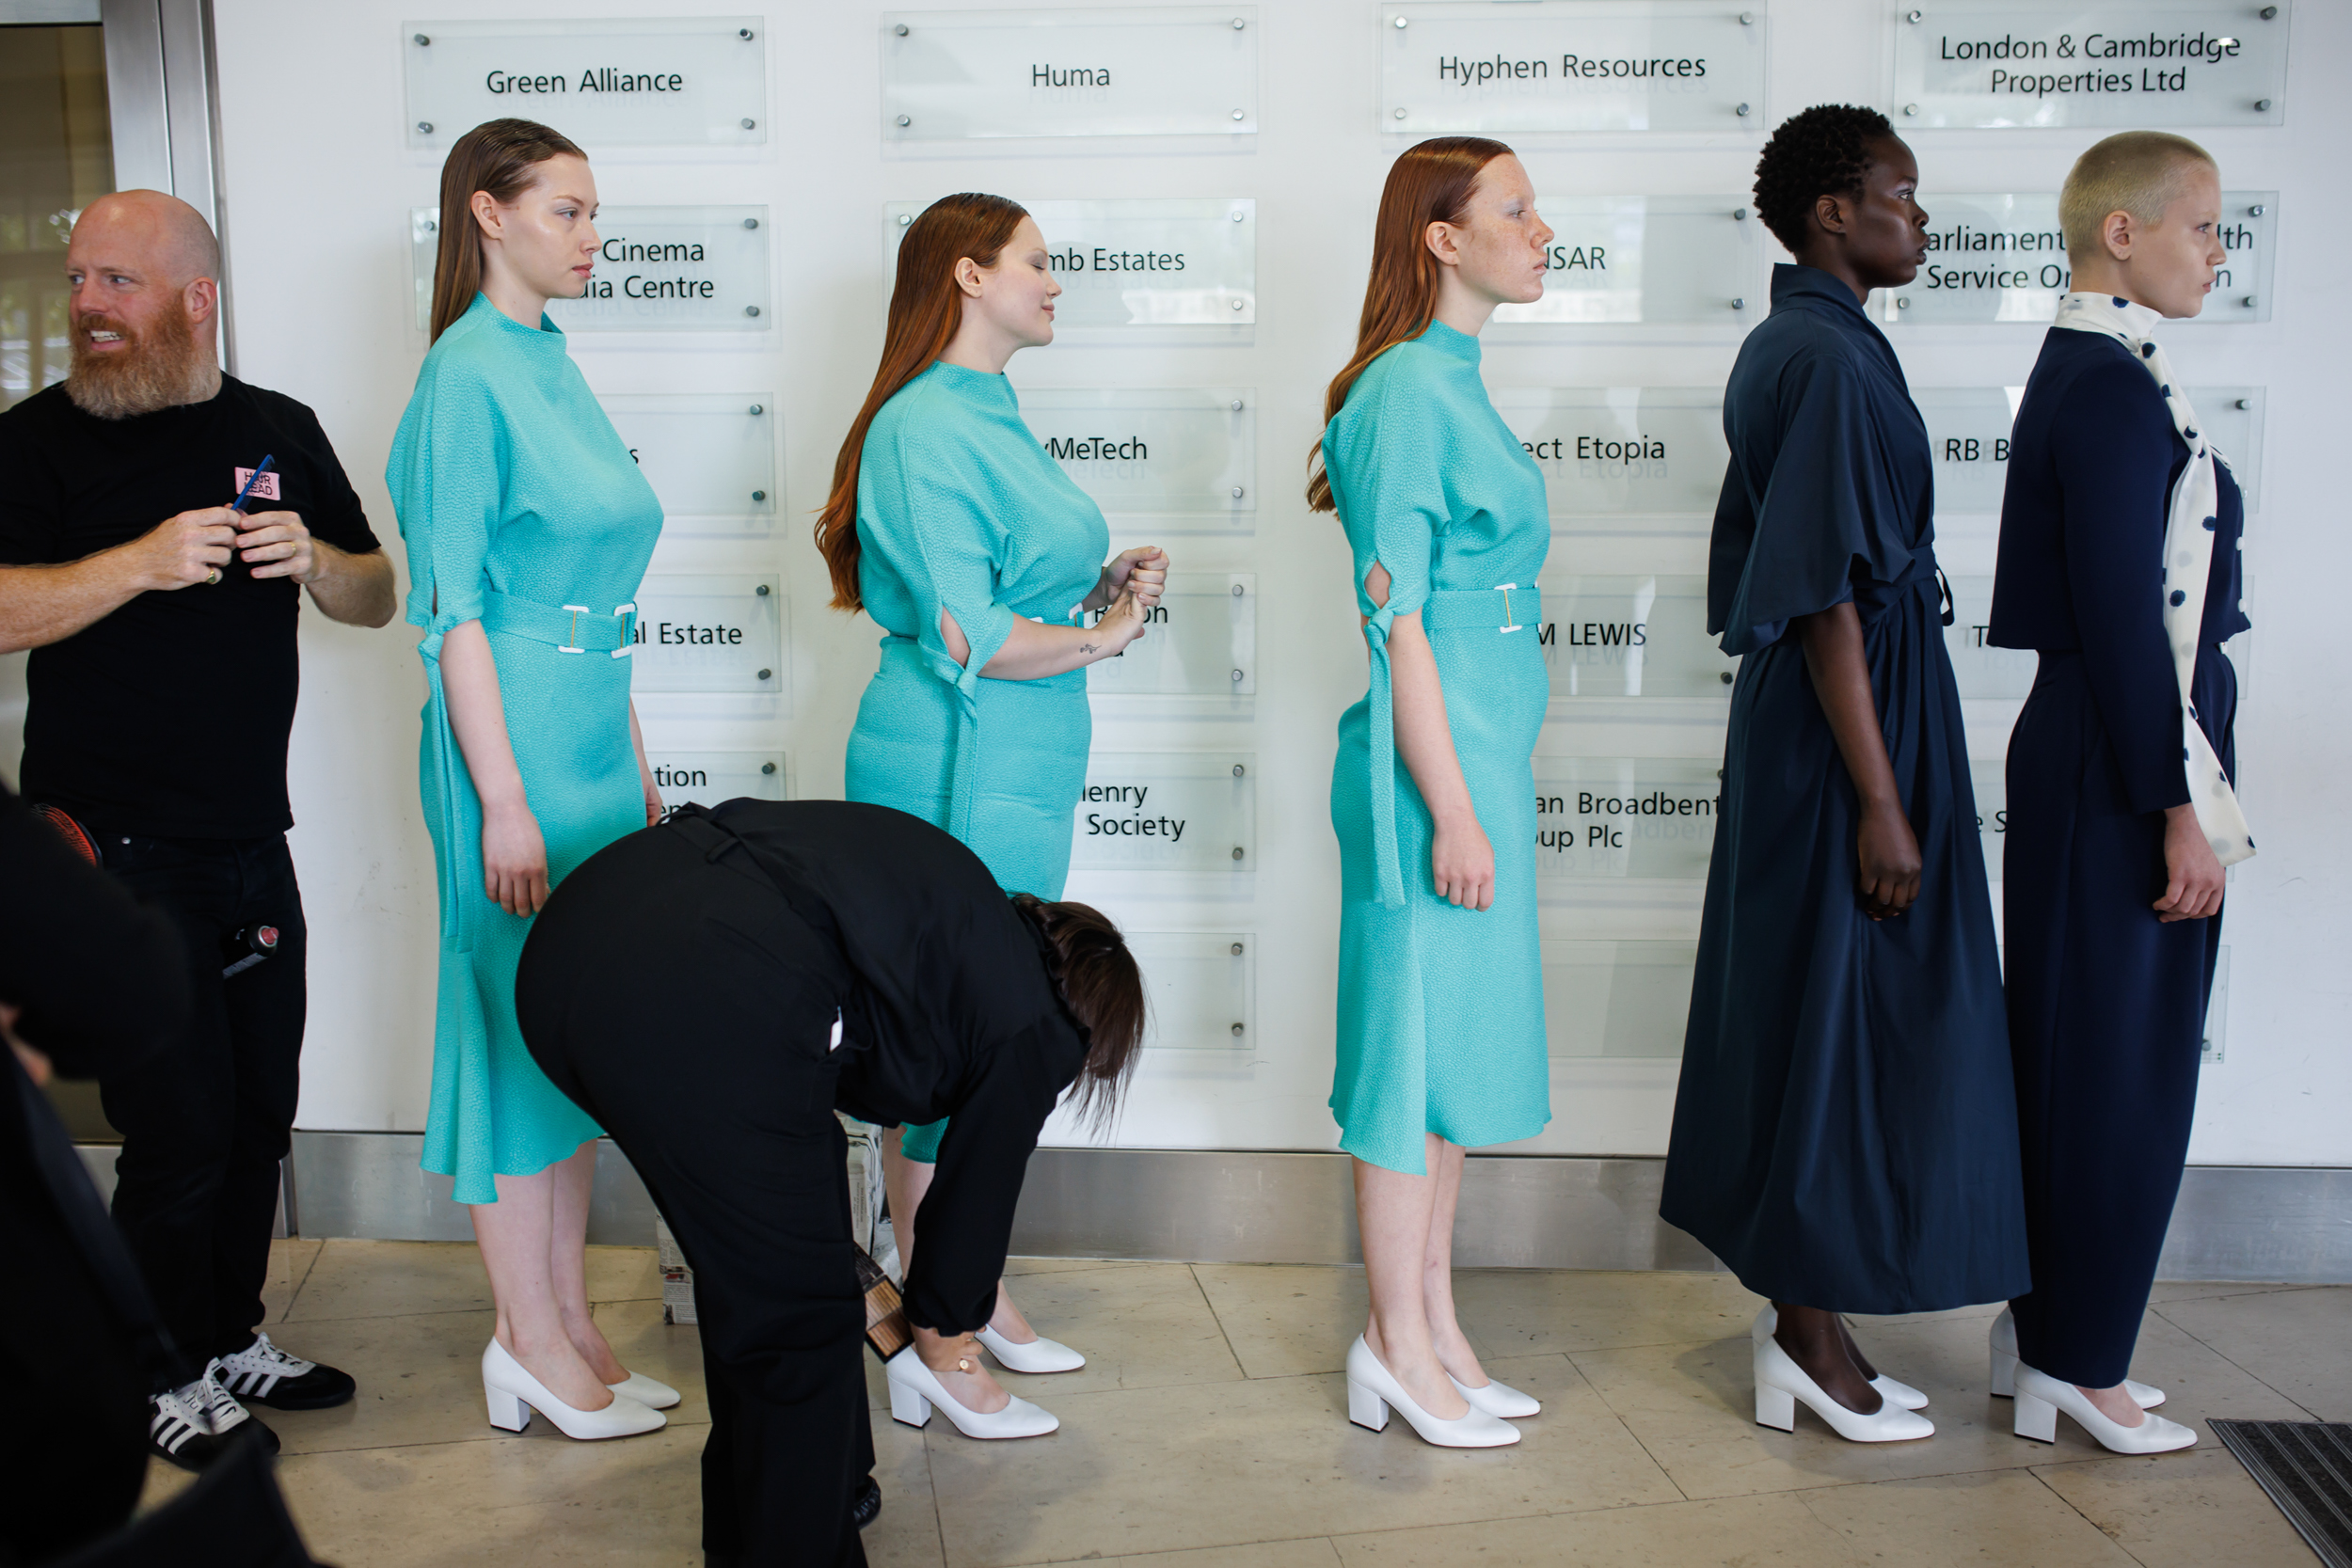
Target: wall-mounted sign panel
{"points": [[707, 454], [1202, 986], [1636, 261], [1168, 810], [1978, 667], [2003, 259], [1617, 458], [2161, 64], [1618, 998], [1184, 459], [1624, 817], [1131, 268], [1572, 65], [661, 269], [678, 80], [1990, 783], [708, 778], [1151, 72], [1202, 643], [1630, 637], [711, 633], [1968, 427]]}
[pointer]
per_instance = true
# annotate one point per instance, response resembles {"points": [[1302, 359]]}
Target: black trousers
{"points": [[661, 992], [206, 1121]]}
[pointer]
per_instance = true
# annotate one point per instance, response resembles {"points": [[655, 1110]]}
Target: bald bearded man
{"points": [[162, 690]]}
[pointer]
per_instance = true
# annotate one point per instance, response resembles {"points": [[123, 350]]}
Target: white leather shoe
{"points": [[913, 1389], [1370, 1390], [512, 1394], [1038, 1356], [2003, 1339], [1892, 1391], [1780, 1382], [2041, 1397], [650, 1392], [1499, 1398]]}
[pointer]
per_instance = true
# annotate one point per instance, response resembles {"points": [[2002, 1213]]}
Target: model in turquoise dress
{"points": [[1441, 1007], [960, 509], [521, 508]]}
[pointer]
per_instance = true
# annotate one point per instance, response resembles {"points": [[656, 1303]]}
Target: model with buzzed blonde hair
{"points": [[2119, 566]]}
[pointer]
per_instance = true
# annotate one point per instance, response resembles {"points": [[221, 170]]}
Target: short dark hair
{"points": [[1821, 151]]}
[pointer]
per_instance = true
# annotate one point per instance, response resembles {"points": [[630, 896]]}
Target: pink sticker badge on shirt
{"points": [[266, 490]]}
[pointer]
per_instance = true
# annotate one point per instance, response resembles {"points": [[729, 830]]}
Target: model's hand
{"points": [[1143, 570], [656, 808], [1887, 878], [189, 547], [2193, 879], [1120, 625], [277, 545], [513, 859], [1462, 862]]}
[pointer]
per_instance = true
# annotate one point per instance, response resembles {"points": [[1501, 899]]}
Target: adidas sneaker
{"points": [[263, 1374], [189, 1425]]}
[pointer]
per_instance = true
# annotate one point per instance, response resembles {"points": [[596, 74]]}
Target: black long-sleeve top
{"points": [[947, 1010], [2093, 460]]}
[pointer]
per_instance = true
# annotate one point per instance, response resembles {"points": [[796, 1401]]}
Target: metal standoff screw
{"points": [[1903, 302], [1237, 676], [750, 223], [2245, 403], [1740, 214], [2249, 302], [1238, 214], [904, 121], [1400, 21], [1237, 851], [770, 674], [750, 124], [1739, 303], [424, 128], [1237, 492], [760, 496], [1237, 303], [905, 219], [1917, 17], [768, 768], [761, 590], [1238, 115], [432, 225], [1741, 110], [1237, 591], [2256, 210], [1239, 24], [756, 410], [423, 40], [1727, 677], [751, 309], [1747, 19], [1237, 950], [1237, 1027], [900, 29], [1911, 109], [2262, 105], [1237, 773], [1237, 405], [743, 33], [2270, 13], [1400, 114]]}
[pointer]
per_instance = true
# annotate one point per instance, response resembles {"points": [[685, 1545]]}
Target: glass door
{"points": [[56, 155]]}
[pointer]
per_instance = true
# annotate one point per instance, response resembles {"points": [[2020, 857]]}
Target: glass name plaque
{"points": [[1978, 667], [1968, 428], [1630, 637], [707, 454], [1131, 267], [1614, 457], [1184, 460], [708, 778], [670, 269], [1990, 783], [1636, 261], [1202, 986], [1623, 817], [2163, 64], [710, 633], [1154, 70], [1572, 65], [1618, 998], [1201, 641], [675, 81], [2003, 259], [1168, 810]]}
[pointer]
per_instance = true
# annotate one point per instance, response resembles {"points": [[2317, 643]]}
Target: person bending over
{"points": [[710, 991]]}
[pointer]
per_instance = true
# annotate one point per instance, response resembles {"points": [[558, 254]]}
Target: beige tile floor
{"points": [[1209, 1430]]}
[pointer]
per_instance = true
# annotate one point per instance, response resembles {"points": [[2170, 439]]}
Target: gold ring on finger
{"points": [[212, 577]]}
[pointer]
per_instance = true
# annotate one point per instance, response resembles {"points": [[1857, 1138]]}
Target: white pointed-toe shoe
{"points": [[2003, 1340], [652, 1393], [1372, 1390], [1890, 1390], [512, 1394], [1499, 1398], [915, 1389], [1780, 1384], [1040, 1355], [2041, 1397]]}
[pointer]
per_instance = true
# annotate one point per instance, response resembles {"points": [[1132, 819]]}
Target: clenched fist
{"points": [[188, 549]]}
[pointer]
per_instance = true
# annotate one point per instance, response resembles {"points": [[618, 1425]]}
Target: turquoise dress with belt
{"points": [[1440, 1009], [521, 508], [960, 508]]}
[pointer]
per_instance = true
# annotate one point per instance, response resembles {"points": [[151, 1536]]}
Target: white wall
{"points": [[318, 189]]}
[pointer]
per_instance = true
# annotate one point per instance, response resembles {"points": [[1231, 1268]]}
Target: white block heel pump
{"points": [[1780, 1384], [2041, 1397], [1040, 1355], [1497, 1398], [650, 1392], [1372, 1389], [1889, 1389], [512, 1394], [915, 1389], [2003, 1340]]}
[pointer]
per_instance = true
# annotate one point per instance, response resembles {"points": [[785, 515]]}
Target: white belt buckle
{"points": [[1510, 622], [577, 610], [628, 629]]}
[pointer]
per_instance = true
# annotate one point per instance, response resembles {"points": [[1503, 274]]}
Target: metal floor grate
{"points": [[2306, 1467]]}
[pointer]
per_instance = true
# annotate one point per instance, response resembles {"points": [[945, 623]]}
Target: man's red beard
{"points": [[159, 368]]}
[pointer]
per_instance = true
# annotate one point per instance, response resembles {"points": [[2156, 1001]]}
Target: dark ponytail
{"points": [[1104, 990]]}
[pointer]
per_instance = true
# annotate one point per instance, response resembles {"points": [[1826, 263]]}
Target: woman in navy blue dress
{"points": [[2119, 562], [1845, 1136]]}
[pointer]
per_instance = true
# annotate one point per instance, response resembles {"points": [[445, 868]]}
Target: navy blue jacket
{"points": [[2093, 460]]}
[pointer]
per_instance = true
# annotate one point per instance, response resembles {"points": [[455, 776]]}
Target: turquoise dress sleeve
{"points": [[448, 483], [932, 523]]}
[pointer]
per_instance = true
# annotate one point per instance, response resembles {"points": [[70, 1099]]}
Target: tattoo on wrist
{"points": [[1088, 648]]}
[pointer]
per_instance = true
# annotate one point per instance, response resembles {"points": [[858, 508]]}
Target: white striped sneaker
{"points": [[191, 1424], [264, 1375]]}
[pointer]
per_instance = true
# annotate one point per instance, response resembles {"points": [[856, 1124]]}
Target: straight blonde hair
{"points": [[2138, 173]]}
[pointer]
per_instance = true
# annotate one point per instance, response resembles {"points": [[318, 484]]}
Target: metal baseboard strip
{"points": [[2286, 1223]]}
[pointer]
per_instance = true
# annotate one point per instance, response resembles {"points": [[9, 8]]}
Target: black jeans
{"points": [[206, 1121]]}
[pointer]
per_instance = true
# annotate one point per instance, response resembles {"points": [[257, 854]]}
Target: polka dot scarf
{"points": [[2189, 525]]}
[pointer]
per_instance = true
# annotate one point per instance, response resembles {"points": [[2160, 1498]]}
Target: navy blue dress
{"points": [[1845, 1136], [2106, 1005]]}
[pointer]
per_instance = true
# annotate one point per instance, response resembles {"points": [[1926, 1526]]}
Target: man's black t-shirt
{"points": [[169, 717]]}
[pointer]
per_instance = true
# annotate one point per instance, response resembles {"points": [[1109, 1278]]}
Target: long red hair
{"points": [[1431, 183], [926, 308]]}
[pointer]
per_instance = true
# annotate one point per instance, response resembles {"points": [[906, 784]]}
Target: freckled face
{"points": [[1502, 246]]}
